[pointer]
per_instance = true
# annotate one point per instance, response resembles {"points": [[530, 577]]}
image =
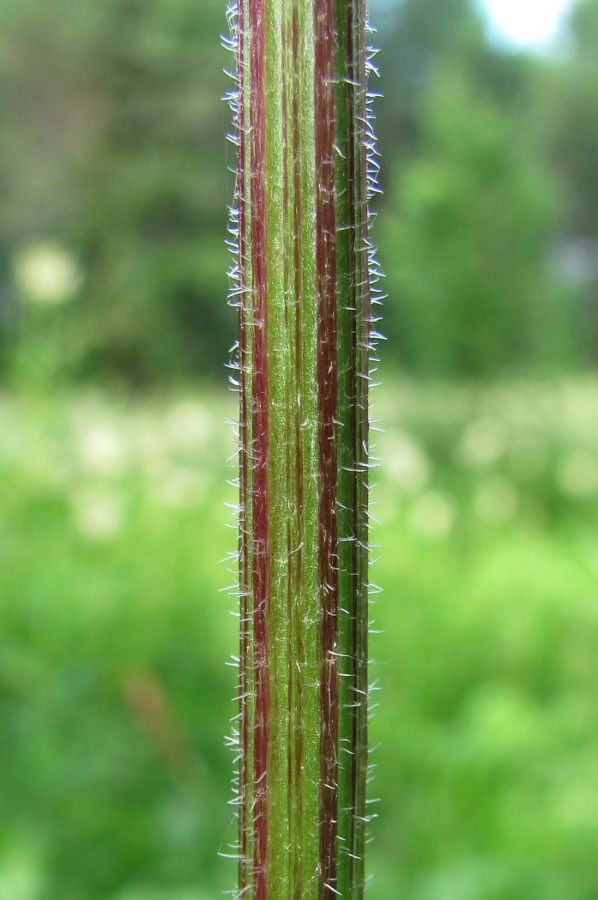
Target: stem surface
{"points": [[303, 292]]}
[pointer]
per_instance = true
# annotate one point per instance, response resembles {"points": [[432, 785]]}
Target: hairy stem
{"points": [[303, 291]]}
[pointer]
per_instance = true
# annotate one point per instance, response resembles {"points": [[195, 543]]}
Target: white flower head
{"points": [[47, 274], [101, 449], [98, 515], [183, 487], [578, 475], [433, 514], [405, 462], [496, 501], [483, 443], [188, 426]]}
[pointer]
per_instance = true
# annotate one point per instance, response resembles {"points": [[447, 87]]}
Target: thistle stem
{"points": [[304, 310]]}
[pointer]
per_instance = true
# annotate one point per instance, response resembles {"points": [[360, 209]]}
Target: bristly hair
{"points": [[304, 282]]}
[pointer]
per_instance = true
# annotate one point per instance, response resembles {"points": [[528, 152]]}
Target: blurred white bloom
{"points": [[47, 274], [483, 443], [151, 446], [102, 449], [188, 426], [97, 515], [433, 514], [183, 487], [578, 475], [405, 462], [21, 871], [529, 452], [386, 507], [496, 501]]}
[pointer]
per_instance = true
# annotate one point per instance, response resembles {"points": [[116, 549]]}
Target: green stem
{"points": [[304, 311]]}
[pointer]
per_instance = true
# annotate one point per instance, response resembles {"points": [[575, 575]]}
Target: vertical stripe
{"points": [[353, 382], [346, 417], [327, 415], [278, 506], [363, 327], [260, 446], [246, 667], [293, 721], [309, 601], [303, 260]]}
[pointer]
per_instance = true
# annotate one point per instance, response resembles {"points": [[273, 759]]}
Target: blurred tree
{"points": [[568, 122], [418, 38], [466, 246], [112, 142], [575, 116]]}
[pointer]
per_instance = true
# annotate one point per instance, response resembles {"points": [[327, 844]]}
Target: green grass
{"points": [[115, 697]]}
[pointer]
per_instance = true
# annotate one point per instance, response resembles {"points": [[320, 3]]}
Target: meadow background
{"points": [[115, 622]]}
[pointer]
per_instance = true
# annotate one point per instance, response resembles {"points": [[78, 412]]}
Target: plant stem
{"points": [[305, 309]]}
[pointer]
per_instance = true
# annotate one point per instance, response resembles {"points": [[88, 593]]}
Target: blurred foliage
{"points": [[568, 123], [113, 148], [114, 695], [112, 142], [113, 692], [476, 225], [470, 222]]}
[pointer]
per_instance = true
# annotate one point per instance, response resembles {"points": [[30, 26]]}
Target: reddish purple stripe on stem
{"points": [[327, 409], [365, 136], [359, 426], [361, 749], [298, 652], [244, 486], [259, 450]]}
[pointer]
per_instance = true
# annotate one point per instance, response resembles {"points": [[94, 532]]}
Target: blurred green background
{"points": [[114, 333]]}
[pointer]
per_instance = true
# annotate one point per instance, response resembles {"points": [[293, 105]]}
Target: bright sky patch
{"points": [[526, 21]]}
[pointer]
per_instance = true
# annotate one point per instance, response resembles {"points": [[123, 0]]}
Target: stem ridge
{"points": [[302, 280]]}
